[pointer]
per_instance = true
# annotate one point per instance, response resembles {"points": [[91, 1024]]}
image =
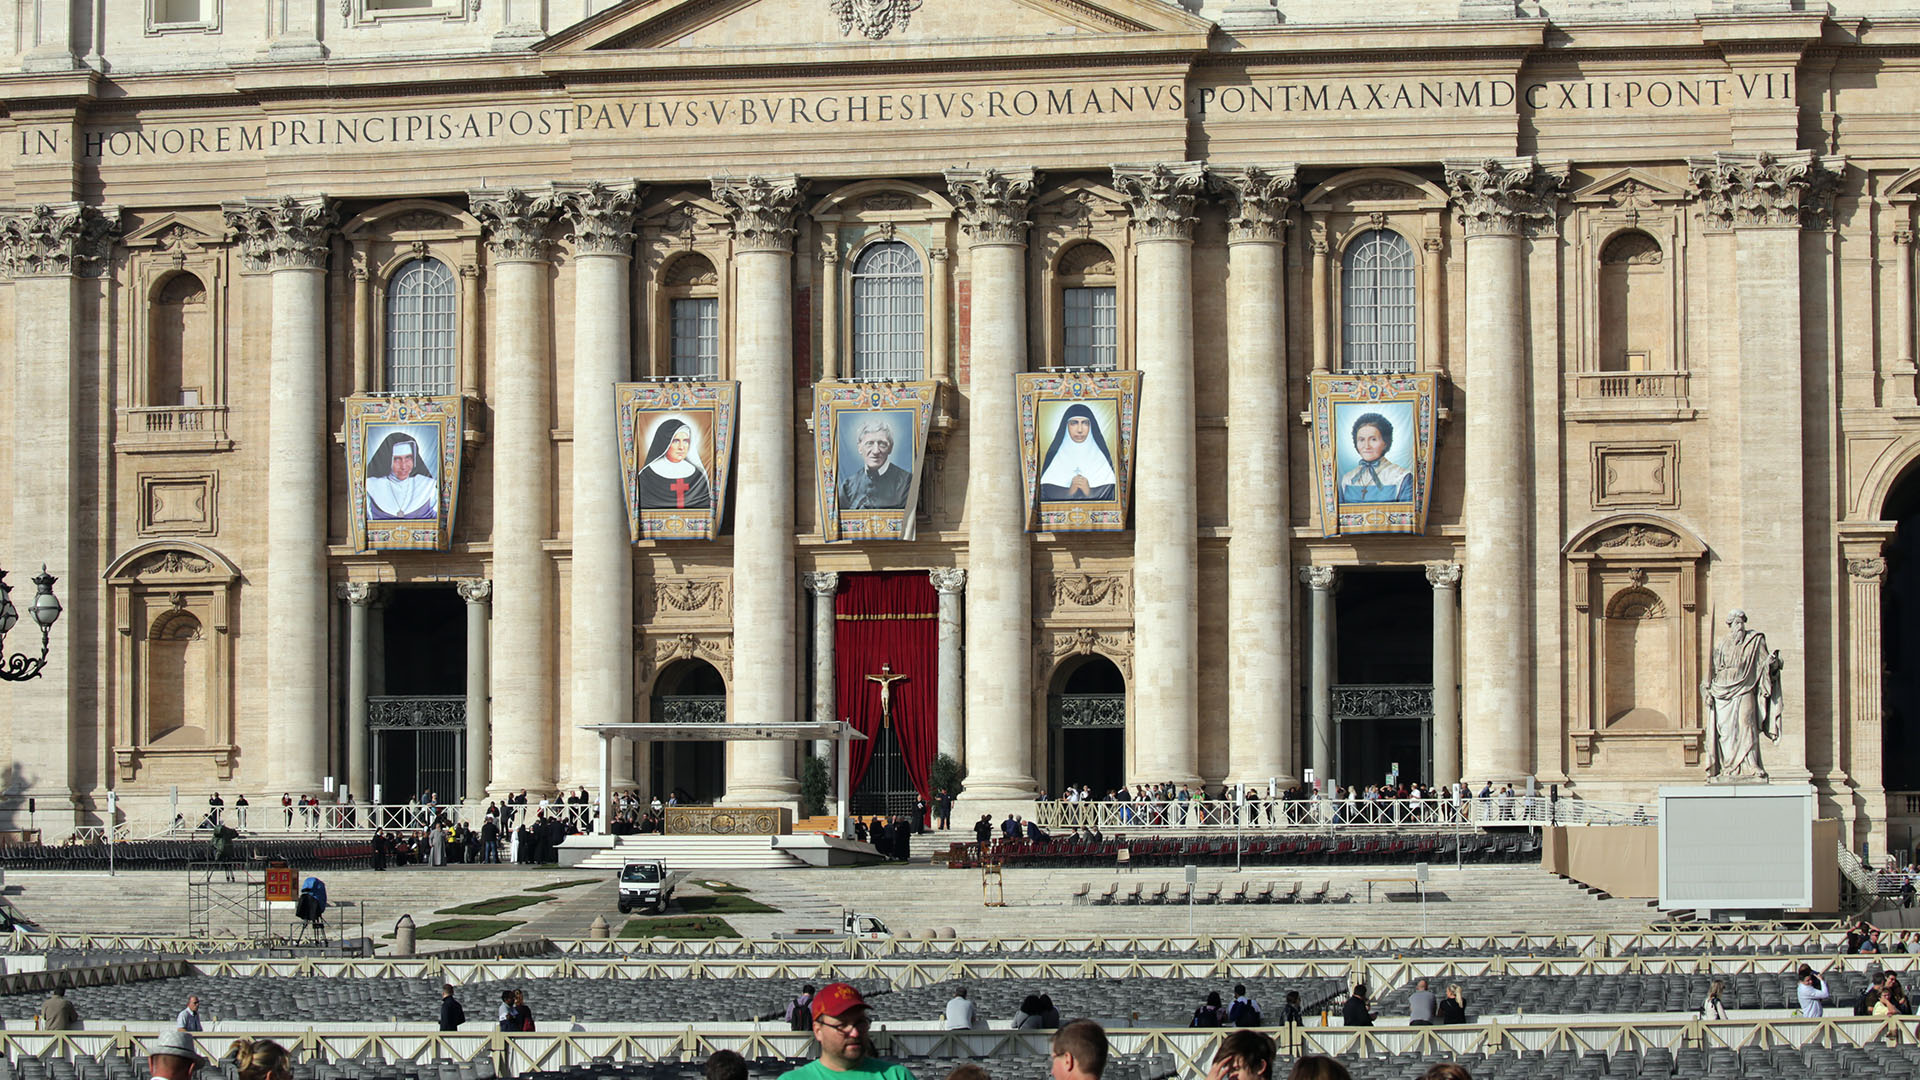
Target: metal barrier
{"points": [[1323, 814]]}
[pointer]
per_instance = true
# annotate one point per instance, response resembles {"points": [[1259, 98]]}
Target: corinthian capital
{"points": [[761, 208], [600, 217], [290, 232], [1505, 196], [1762, 190], [516, 221], [993, 203], [1257, 199], [1161, 197], [59, 239]]}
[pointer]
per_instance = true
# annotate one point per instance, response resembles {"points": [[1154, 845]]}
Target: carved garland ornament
{"points": [[284, 233], [1765, 190], [64, 238], [1087, 590], [874, 19], [1506, 196], [174, 562], [1635, 536], [691, 594], [1162, 197]]}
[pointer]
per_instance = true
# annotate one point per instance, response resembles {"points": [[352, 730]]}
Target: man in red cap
{"points": [[841, 1020]]}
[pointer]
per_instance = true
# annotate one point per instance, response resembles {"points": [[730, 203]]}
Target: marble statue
{"points": [[1742, 701]]}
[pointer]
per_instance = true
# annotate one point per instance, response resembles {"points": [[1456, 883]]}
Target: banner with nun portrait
{"points": [[1373, 451], [1076, 448], [676, 452], [403, 468], [870, 444]]}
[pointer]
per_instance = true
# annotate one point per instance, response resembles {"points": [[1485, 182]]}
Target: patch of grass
{"points": [[721, 886], [725, 904], [675, 927], [555, 886], [464, 929], [499, 905]]}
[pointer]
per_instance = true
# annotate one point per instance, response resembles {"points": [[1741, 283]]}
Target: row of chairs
{"points": [[177, 854], [1478, 848], [1271, 892]]}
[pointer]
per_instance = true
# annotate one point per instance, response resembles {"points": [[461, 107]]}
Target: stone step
{"points": [[693, 853]]}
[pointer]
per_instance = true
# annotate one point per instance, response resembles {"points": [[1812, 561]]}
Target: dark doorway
{"points": [[424, 629], [1087, 727], [689, 692], [1383, 687], [418, 731], [1900, 639]]}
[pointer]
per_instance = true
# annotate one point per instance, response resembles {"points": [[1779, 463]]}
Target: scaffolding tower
{"points": [[228, 899]]}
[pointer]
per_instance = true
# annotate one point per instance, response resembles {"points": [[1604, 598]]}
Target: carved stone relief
{"points": [[657, 651]]}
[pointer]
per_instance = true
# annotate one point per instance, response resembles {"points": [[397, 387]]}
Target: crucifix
{"points": [[886, 679]]}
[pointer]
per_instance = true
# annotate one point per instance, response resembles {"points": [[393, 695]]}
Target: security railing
{"points": [[1208, 815]]}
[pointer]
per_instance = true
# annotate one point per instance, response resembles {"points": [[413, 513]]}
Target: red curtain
{"points": [[891, 619]]}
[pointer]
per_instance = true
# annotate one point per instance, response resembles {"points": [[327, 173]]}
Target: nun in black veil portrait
{"points": [[400, 483], [1078, 465], [673, 478]]}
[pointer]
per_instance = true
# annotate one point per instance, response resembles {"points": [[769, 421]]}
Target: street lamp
{"points": [[45, 610]]}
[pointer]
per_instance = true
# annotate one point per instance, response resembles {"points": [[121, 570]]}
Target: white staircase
{"points": [[694, 853]]}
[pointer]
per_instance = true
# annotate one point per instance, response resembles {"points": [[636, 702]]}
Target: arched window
{"points": [[1089, 318], [889, 321], [693, 317], [420, 335], [1634, 305], [1376, 303]]}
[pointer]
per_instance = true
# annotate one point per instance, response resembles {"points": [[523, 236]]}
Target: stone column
{"points": [[950, 583], [1765, 199], [826, 701], [1320, 302], [478, 593], [1865, 691], [522, 735], [48, 251], [1166, 547], [1445, 579], [288, 237], [359, 597], [830, 308], [999, 623], [762, 210], [1498, 200], [1904, 367], [599, 220], [1319, 581], [1260, 686]]}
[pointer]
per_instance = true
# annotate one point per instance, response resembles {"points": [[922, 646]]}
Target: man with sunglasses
{"points": [[841, 1020]]}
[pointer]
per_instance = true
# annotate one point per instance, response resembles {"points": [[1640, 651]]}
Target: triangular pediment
{"points": [[1630, 187], [709, 24], [173, 232]]}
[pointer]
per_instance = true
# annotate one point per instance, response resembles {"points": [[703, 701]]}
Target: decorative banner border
{"points": [[438, 424], [1398, 486], [708, 408], [843, 404], [1045, 399]]}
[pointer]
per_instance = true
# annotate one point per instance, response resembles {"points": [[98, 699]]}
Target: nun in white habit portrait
{"points": [[1078, 465], [400, 486], [673, 478]]}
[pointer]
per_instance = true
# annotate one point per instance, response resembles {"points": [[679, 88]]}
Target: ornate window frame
{"points": [[380, 243], [1899, 209], [1064, 217], [1626, 201], [1606, 561], [1343, 209], [207, 23], [375, 12], [145, 584], [671, 226], [856, 216], [169, 245]]}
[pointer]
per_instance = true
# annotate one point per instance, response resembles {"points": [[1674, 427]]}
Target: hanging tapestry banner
{"points": [[870, 439], [676, 450], [1373, 451], [403, 468], [1076, 448]]}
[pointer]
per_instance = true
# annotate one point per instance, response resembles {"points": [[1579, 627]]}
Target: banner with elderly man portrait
{"points": [[1373, 451], [870, 441], [676, 451], [403, 469], [1076, 448]]}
